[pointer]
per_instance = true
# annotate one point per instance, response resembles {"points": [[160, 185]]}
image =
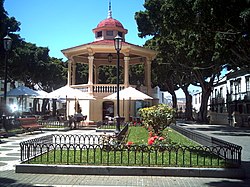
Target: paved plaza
{"points": [[9, 157]]}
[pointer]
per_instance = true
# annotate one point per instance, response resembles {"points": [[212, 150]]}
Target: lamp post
{"points": [[118, 47], [7, 42]]}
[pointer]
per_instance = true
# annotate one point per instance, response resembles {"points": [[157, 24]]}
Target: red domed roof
{"points": [[110, 22]]}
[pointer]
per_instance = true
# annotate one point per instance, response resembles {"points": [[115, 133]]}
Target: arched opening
{"points": [[107, 109]]}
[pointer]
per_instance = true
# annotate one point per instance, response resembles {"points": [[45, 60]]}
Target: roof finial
{"points": [[110, 11]]}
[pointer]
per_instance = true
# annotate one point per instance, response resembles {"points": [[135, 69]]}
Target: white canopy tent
{"points": [[129, 94], [67, 93], [22, 93]]}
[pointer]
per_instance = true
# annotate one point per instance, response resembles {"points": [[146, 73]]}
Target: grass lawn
{"points": [[138, 154], [139, 135]]}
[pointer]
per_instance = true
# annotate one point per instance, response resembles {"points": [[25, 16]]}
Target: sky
{"points": [[61, 24]]}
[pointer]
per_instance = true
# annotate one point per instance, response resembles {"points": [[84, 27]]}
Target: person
{"points": [[76, 119], [71, 121]]}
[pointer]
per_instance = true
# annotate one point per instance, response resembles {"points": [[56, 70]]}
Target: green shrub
{"points": [[157, 117]]}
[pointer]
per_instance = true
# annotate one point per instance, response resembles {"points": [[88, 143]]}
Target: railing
{"points": [[29, 148], [96, 150], [98, 88], [135, 155], [230, 152], [54, 123], [239, 96]]}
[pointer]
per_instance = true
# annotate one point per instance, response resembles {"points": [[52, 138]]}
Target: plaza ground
{"points": [[9, 157]]}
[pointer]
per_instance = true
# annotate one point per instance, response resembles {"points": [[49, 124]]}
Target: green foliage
{"points": [[26, 61], [158, 117], [196, 39]]}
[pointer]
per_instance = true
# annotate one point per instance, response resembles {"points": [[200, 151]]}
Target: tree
{"points": [[191, 30], [27, 62]]}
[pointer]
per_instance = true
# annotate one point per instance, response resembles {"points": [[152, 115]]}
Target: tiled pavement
{"points": [[9, 156]]}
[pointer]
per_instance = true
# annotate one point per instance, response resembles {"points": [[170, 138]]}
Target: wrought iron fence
{"points": [[54, 123], [105, 150], [230, 151]]}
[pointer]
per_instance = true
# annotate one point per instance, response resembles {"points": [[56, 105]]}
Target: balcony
{"points": [[217, 100], [239, 96], [103, 90]]}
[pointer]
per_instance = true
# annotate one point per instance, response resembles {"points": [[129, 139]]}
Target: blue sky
{"points": [[60, 24]]}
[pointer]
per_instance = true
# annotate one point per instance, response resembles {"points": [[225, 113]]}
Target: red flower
{"points": [[151, 141], [129, 143], [161, 138], [155, 137]]}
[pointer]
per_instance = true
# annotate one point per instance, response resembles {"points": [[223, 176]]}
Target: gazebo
{"points": [[96, 54]]}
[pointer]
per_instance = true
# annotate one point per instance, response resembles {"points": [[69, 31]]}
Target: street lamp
{"points": [[7, 42], [118, 47]]}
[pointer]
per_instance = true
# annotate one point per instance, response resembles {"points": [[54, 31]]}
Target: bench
{"points": [[2, 135], [29, 124]]}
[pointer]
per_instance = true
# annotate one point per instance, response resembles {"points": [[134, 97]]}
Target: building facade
{"points": [[230, 100]]}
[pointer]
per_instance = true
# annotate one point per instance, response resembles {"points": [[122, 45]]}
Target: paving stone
{"points": [[3, 164], [8, 158], [9, 178]]}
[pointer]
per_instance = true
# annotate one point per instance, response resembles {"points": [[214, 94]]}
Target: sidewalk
{"points": [[9, 156], [236, 135]]}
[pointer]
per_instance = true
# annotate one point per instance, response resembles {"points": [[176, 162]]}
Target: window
{"points": [[99, 34], [237, 85], [120, 34], [231, 87], [109, 33], [221, 92], [247, 84]]}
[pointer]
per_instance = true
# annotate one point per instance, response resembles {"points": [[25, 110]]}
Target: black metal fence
{"points": [[230, 151], [106, 150]]}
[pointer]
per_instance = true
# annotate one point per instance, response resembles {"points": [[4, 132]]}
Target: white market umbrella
{"points": [[67, 92], [22, 91], [41, 93], [129, 93]]}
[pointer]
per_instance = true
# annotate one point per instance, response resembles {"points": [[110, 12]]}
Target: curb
{"points": [[236, 173]]}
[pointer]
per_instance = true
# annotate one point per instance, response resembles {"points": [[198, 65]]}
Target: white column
{"points": [[69, 72], [126, 71], [91, 65], [73, 81]]}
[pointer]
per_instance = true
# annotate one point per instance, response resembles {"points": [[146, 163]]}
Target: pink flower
{"points": [[161, 138], [155, 137]]}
